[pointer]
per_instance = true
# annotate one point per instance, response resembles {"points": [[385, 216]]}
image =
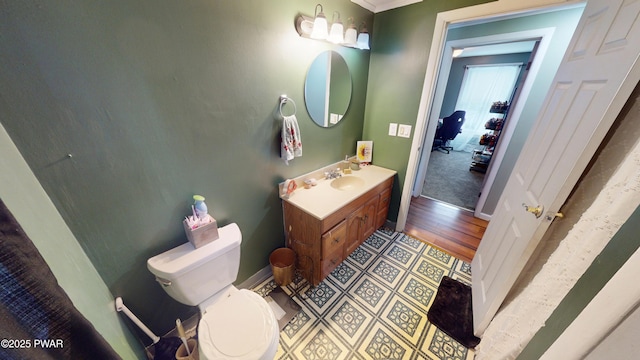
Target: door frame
{"points": [[483, 13], [543, 35]]}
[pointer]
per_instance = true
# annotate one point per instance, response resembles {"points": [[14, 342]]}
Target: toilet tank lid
{"points": [[172, 263]]}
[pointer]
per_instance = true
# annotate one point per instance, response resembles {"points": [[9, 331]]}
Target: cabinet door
{"points": [[383, 207], [354, 229], [369, 221]]}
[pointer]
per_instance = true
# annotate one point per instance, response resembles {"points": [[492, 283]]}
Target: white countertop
{"points": [[323, 199]]}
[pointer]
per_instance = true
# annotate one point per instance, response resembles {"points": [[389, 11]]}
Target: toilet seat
{"points": [[240, 326]]}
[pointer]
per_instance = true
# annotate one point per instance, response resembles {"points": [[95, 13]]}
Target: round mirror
{"points": [[327, 90]]}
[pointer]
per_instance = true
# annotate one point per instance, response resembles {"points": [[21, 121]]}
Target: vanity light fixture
{"points": [[363, 38], [317, 28], [336, 35], [319, 25], [351, 35]]}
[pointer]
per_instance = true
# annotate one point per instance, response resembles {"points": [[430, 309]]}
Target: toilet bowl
{"points": [[239, 326], [235, 324]]}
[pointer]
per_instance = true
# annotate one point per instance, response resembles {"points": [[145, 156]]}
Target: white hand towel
{"points": [[291, 141]]}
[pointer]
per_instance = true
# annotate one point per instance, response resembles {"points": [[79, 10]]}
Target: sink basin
{"points": [[347, 183]]}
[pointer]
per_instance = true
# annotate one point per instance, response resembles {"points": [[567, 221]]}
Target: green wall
{"points": [[31, 207], [156, 101], [401, 41]]}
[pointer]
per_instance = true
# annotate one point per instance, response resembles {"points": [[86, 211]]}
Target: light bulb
{"points": [[319, 25], [350, 36], [336, 35], [363, 41]]}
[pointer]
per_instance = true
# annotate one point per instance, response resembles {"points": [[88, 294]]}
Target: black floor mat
{"points": [[452, 313]]}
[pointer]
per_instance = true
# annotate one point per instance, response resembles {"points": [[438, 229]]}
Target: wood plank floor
{"points": [[449, 228]]}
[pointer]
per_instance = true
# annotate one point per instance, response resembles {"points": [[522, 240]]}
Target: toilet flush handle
{"points": [[163, 282]]}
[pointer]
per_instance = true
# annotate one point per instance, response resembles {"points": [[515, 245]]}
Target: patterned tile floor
{"points": [[374, 305]]}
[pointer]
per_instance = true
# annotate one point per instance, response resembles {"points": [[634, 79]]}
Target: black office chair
{"points": [[448, 131]]}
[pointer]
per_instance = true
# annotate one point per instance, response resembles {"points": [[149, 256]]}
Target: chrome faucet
{"points": [[332, 174]]}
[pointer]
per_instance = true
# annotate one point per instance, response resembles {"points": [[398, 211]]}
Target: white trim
{"points": [[257, 278], [380, 6], [545, 36], [441, 86], [491, 65], [365, 4]]}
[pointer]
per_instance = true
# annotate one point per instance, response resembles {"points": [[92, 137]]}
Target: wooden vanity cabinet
{"points": [[383, 208], [361, 224], [333, 247], [321, 245]]}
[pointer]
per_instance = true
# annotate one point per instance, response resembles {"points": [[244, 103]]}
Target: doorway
{"points": [[480, 77], [490, 49], [552, 40]]}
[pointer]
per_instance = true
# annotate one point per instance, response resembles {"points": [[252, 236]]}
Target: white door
{"points": [[592, 84]]}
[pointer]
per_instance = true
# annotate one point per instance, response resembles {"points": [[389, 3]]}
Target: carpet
{"points": [[452, 312], [449, 179]]}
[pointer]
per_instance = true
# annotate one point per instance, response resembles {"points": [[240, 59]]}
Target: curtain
{"points": [[37, 318], [482, 85]]}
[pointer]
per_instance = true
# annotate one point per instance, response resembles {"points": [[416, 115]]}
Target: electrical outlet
{"points": [[393, 129], [404, 131]]}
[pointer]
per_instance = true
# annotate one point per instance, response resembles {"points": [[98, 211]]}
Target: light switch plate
{"points": [[393, 129], [404, 130]]}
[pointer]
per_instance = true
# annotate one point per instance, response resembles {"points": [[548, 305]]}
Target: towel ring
{"points": [[283, 100]]}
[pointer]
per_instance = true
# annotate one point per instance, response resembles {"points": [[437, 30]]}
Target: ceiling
{"points": [[377, 6]]}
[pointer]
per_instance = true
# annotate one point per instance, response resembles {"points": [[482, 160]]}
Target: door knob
{"points": [[551, 215], [537, 211]]}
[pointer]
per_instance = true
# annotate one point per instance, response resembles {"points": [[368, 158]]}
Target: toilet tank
{"points": [[191, 275]]}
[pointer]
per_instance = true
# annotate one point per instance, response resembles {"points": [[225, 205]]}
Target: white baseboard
{"points": [[255, 279], [484, 216]]}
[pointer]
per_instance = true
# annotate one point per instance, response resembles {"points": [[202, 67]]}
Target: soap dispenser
{"points": [[200, 207], [346, 166]]}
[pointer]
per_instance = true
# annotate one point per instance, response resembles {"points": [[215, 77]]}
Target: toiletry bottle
{"points": [[200, 206], [346, 166]]}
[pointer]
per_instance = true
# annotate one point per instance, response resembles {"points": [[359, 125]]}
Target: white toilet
{"points": [[235, 324]]}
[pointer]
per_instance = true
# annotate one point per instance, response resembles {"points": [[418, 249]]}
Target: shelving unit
{"points": [[481, 157]]}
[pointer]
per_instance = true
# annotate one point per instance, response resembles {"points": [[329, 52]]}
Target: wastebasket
{"points": [[282, 262]]}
